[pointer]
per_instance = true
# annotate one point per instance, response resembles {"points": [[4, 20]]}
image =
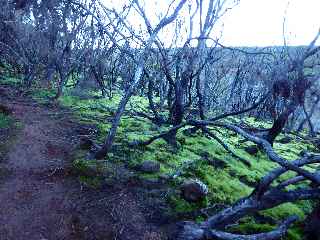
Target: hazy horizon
{"points": [[252, 23]]}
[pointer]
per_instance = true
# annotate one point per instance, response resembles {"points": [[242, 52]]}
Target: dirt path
{"points": [[35, 205], [39, 201]]}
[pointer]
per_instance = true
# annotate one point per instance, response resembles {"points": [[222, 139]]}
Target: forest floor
{"points": [[40, 196]]}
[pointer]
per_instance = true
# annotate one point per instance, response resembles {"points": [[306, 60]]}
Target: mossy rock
{"points": [[5, 110], [86, 143], [252, 150], [193, 190], [149, 166]]}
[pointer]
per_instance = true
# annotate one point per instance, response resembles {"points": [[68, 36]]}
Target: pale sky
{"points": [[259, 22], [255, 22]]}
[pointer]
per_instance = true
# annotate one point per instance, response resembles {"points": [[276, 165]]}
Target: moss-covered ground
{"points": [[5, 121], [8, 128], [197, 156]]}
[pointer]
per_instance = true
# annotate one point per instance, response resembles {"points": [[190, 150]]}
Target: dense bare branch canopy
{"points": [[191, 85]]}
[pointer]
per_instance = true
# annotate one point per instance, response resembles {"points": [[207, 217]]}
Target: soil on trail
{"points": [[41, 200]]}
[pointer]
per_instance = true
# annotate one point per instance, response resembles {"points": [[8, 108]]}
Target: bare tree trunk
{"points": [[101, 153], [61, 83], [158, 119], [177, 113], [308, 117], [279, 124], [28, 76], [99, 80], [116, 120], [311, 128], [49, 75]]}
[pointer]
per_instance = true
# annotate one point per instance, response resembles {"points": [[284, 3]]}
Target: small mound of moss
{"points": [[92, 182], [252, 227], [88, 173], [7, 79], [5, 121], [182, 206]]}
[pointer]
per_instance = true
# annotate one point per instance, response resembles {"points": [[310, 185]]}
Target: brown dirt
{"points": [[41, 200]]}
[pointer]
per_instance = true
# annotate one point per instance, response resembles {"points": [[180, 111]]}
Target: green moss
{"points": [[291, 150], [5, 121], [295, 233], [251, 227], [285, 210], [69, 101], [252, 121], [42, 95], [139, 103], [193, 159], [86, 167], [8, 131], [88, 171], [80, 165], [222, 187], [10, 80], [182, 206], [200, 219], [93, 182]]}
